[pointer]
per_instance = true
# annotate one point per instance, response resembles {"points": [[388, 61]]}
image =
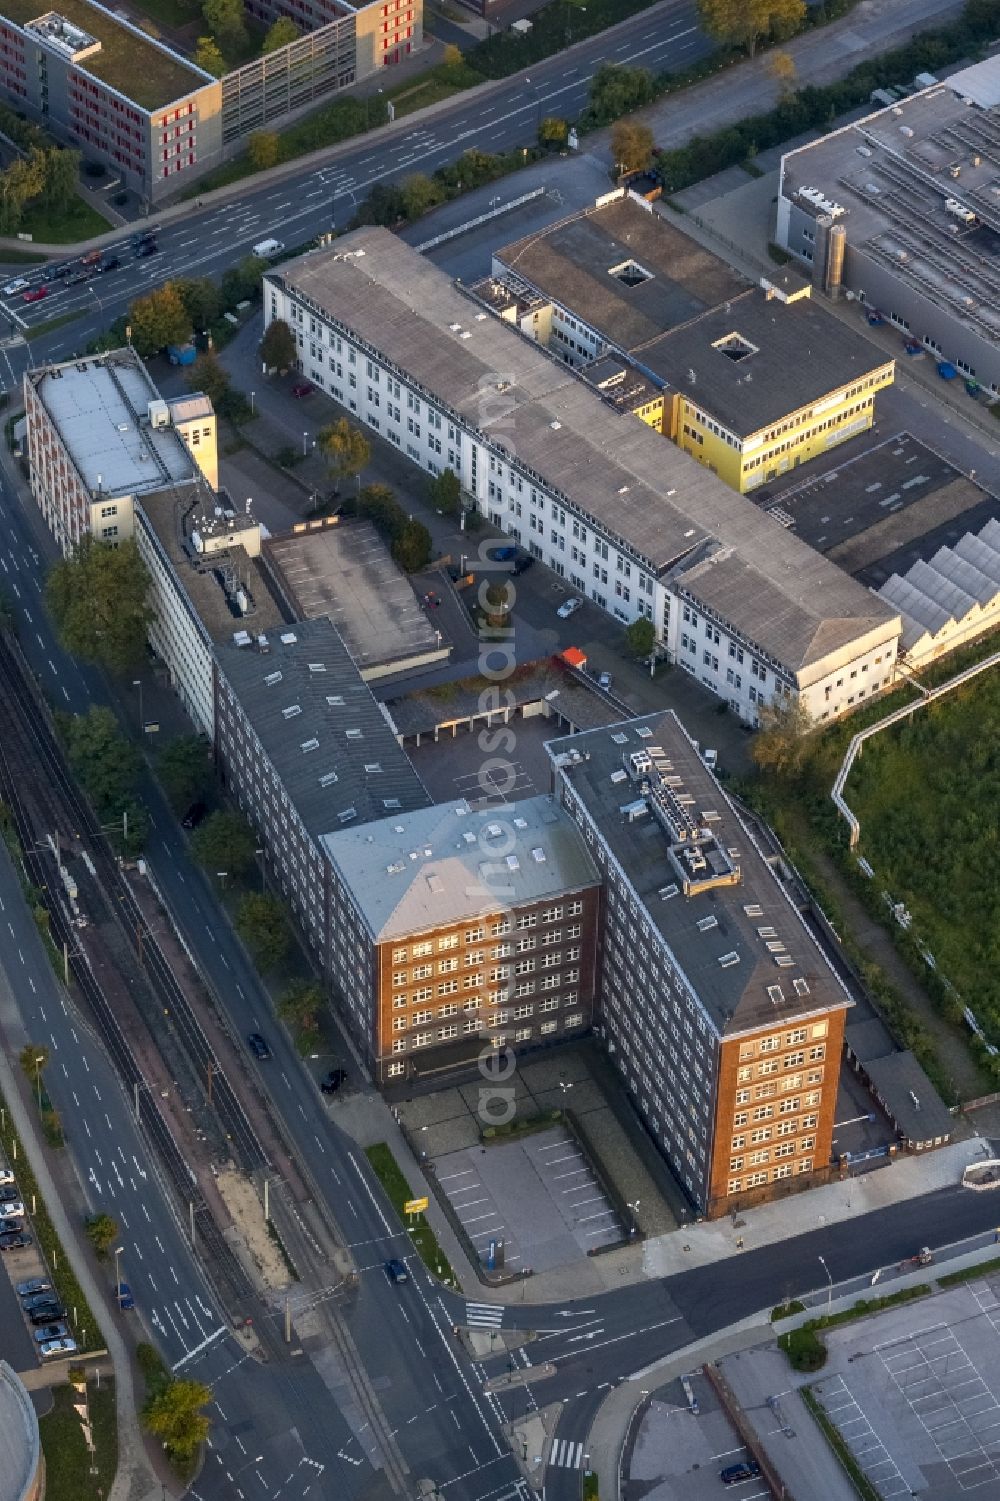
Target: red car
{"points": [[303, 389], [36, 294]]}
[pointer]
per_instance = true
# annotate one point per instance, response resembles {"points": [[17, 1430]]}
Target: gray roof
{"points": [[867, 1038], [99, 406], [446, 863], [356, 761], [346, 573], [19, 1437], [639, 488], [571, 262], [735, 995], [896, 1079], [423, 709], [802, 354]]}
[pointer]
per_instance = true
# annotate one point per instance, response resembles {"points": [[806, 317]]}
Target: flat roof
{"points": [[128, 61], [426, 709], [347, 573], [331, 745], [443, 864], [228, 589], [657, 500], [757, 358], [744, 949], [99, 406], [574, 262]]}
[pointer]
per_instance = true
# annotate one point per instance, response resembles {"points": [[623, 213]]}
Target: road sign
{"points": [[415, 1206]]}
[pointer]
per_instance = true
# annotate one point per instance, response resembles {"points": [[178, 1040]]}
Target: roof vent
{"points": [[315, 666], [310, 745], [555, 425], [335, 700], [395, 868], [800, 986], [272, 678], [391, 803], [775, 994], [328, 778], [373, 767], [705, 924], [347, 815], [538, 855], [289, 638], [291, 711], [355, 734], [513, 863], [728, 960]]}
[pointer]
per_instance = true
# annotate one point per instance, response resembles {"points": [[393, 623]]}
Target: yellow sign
{"points": [[415, 1206]]}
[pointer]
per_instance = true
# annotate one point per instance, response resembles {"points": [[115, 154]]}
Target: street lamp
{"points": [[118, 1280], [222, 874], [829, 1291], [137, 683], [39, 1060], [538, 103], [263, 871], [305, 444], [253, 395]]}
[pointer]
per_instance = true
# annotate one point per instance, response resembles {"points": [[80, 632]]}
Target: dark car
{"points": [[111, 264], [51, 1331], [14, 1240], [9, 1223], [44, 1298], [8, 1193], [32, 1287], [78, 278], [332, 1081], [148, 247], [304, 388], [194, 816], [395, 1270], [61, 272], [747, 1469], [146, 234], [124, 1295], [258, 1046], [46, 1312]]}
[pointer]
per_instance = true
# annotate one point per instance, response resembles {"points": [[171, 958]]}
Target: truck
{"points": [[181, 354], [924, 1257], [266, 250]]}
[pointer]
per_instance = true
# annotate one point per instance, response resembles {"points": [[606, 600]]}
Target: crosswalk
{"points": [[566, 1454], [483, 1315]]}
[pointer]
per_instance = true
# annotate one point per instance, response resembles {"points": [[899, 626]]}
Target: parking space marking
{"points": [[864, 1443], [933, 1368]]}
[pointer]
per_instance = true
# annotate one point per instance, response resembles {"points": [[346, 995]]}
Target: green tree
{"points": [[379, 505], [345, 448], [201, 299], [444, 493], [782, 743], [640, 637], [264, 146], [225, 841], [62, 170], [209, 375], [420, 193], [99, 600], [100, 756], [281, 33], [135, 827], [241, 283], [34, 1060], [174, 1413], [451, 56], [553, 132], [744, 23], [413, 548], [384, 205], [158, 319], [184, 767], [300, 1005], [20, 184], [262, 923], [632, 145], [226, 20], [616, 90], [208, 56], [102, 1232], [277, 347]]}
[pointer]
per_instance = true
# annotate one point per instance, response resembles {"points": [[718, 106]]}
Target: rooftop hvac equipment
{"points": [[158, 413]]}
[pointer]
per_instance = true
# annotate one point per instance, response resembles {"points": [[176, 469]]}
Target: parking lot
{"points": [[459, 767], [536, 1198], [680, 1454], [916, 1395]]}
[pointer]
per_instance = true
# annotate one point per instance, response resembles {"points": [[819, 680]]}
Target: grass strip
{"points": [[38, 330], [831, 1433], [72, 221], [969, 1273], [785, 1310], [425, 1242], [68, 1473], [86, 1330]]}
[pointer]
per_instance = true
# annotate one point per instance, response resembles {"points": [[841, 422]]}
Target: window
{"points": [[399, 956], [420, 949]]}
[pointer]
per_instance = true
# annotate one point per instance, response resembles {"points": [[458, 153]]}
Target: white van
{"points": [[267, 249]]}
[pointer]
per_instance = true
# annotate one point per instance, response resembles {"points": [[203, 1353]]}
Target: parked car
{"points": [[44, 1299], [604, 680], [50, 1331], [54, 1347], [12, 1209], [9, 1191], [46, 1312], [747, 1469], [36, 294], [123, 1293], [332, 1081], [395, 1270], [19, 284], [710, 757], [32, 1287], [6, 1175], [14, 1240], [10, 1222], [194, 816], [303, 388], [258, 1046], [569, 607], [147, 248]]}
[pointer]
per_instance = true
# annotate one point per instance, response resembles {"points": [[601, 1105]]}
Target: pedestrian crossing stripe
{"points": [[483, 1315], [566, 1454]]}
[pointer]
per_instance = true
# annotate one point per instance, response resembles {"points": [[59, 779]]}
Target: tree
{"points": [[616, 91], [413, 547], [640, 637], [62, 170], [262, 923], [345, 448], [210, 376], [420, 193], [208, 56], [242, 281], [174, 1414], [34, 1060], [379, 505], [782, 742], [632, 145], [281, 33], [102, 1232], [184, 768], [201, 299], [743, 23], [100, 756], [444, 493], [226, 20], [300, 1006], [553, 132], [226, 842], [99, 600], [264, 146], [451, 57], [277, 347], [781, 66], [158, 319]]}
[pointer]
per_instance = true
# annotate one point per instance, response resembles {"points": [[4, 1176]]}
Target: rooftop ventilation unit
{"points": [[310, 745], [291, 711], [328, 778]]}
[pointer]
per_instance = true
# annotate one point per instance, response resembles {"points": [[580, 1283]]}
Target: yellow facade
{"points": [[747, 462], [651, 412]]}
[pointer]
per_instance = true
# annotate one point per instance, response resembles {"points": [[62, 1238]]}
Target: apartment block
{"points": [[624, 518], [717, 1006], [457, 929]]}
